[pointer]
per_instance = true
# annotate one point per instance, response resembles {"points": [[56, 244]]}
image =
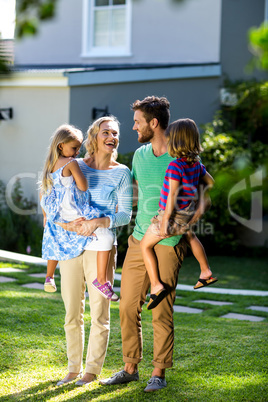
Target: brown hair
{"points": [[184, 140], [154, 108], [92, 133]]}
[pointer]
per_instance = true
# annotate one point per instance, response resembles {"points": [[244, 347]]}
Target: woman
{"points": [[110, 189]]}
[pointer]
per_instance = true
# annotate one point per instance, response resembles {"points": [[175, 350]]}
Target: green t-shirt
{"points": [[149, 171]]}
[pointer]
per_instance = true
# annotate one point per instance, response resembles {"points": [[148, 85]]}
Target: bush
{"points": [[235, 148], [19, 233]]}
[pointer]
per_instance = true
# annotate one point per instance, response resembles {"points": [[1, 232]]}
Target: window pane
{"points": [[101, 28], [99, 3], [116, 2], [118, 34]]}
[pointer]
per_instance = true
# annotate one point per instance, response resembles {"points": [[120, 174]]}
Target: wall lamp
{"points": [[6, 113], [97, 113]]}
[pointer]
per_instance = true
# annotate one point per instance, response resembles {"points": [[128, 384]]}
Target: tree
{"points": [[258, 44], [30, 13]]}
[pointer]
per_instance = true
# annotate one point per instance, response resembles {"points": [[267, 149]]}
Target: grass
{"points": [[215, 359]]}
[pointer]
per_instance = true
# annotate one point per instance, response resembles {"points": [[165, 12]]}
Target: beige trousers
{"points": [[134, 287], [75, 273]]}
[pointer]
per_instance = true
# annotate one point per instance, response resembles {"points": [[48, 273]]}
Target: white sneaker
{"points": [[49, 285]]}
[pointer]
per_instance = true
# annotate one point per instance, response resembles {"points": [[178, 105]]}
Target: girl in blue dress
{"points": [[64, 198]]}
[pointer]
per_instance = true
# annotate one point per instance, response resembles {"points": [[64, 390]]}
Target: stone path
{"points": [[5, 255]]}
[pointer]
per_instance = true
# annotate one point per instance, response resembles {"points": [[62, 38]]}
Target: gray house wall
{"points": [[195, 98], [58, 40], [162, 31], [238, 16]]}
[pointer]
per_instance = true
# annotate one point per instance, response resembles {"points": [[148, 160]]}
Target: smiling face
{"points": [[108, 137], [145, 132], [70, 149]]}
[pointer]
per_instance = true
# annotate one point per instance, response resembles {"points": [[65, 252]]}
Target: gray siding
{"points": [[162, 31], [195, 98], [237, 17]]}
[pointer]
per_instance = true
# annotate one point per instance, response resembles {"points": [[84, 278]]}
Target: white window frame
{"points": [[88, 49]]}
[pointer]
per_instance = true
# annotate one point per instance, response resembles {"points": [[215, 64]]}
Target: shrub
{"points": [[19, 233], [230, 157]]}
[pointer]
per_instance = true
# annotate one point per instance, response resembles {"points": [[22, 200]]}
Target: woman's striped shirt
{"points": [[110, 191]]}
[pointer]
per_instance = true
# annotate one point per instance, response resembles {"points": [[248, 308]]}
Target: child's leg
{"points": [[200, 254], [101, 283], [51, 267], [147, 244], [50, 285], [102, 265]]}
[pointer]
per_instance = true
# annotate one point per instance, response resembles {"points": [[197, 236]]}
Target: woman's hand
{"points": [[87, 228], [72, 226]]}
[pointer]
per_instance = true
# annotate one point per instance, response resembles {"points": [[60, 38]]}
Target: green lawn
{"points": [[215, 359]]}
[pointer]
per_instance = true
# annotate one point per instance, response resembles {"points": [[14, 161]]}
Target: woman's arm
{"points": [[122, 214]]}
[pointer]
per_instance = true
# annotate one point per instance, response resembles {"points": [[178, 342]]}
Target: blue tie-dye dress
{"points": [[58, 243]]}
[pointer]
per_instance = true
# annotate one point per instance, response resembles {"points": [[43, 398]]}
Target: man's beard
{"points": [[146, 135]]}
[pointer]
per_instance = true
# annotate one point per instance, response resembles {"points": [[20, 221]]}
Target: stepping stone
{"points": [[243, 317], [214, 302], [34, 285], [258, 308], [8, 270], [189, 310], [5, 279], [41, 275], [208, 289]]}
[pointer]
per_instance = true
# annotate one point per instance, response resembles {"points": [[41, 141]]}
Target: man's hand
{"points": [[163, 230]]}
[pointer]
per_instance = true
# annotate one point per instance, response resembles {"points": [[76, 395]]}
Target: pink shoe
{"points": [[106, 290], [49, 285]]}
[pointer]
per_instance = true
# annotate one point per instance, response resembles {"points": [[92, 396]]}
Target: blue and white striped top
{"points": [[110, 191]]}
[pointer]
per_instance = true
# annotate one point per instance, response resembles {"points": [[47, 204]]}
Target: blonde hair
{"points": [[91, 143], [184, 140], [64, 134]]}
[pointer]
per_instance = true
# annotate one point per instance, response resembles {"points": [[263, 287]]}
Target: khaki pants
{"points": [[134, 287], [75, 273]]}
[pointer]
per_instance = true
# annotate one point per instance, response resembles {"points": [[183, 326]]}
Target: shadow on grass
{"points": [[47, 390]]}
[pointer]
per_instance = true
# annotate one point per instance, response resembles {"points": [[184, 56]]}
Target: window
{"points": [[106, 28]]}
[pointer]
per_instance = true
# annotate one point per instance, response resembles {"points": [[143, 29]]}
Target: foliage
{"points": [[258, 41], [30, 13], [19, 232], [235, 148]]}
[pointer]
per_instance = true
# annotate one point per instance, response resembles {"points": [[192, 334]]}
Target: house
{"points": [[98, 56]]}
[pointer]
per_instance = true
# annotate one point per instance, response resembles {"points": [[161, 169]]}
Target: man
{"points": [[151, 118]]}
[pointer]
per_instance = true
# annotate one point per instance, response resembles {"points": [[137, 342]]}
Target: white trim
{"points": [[266, 11], [88, 50], [35, 79]]}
